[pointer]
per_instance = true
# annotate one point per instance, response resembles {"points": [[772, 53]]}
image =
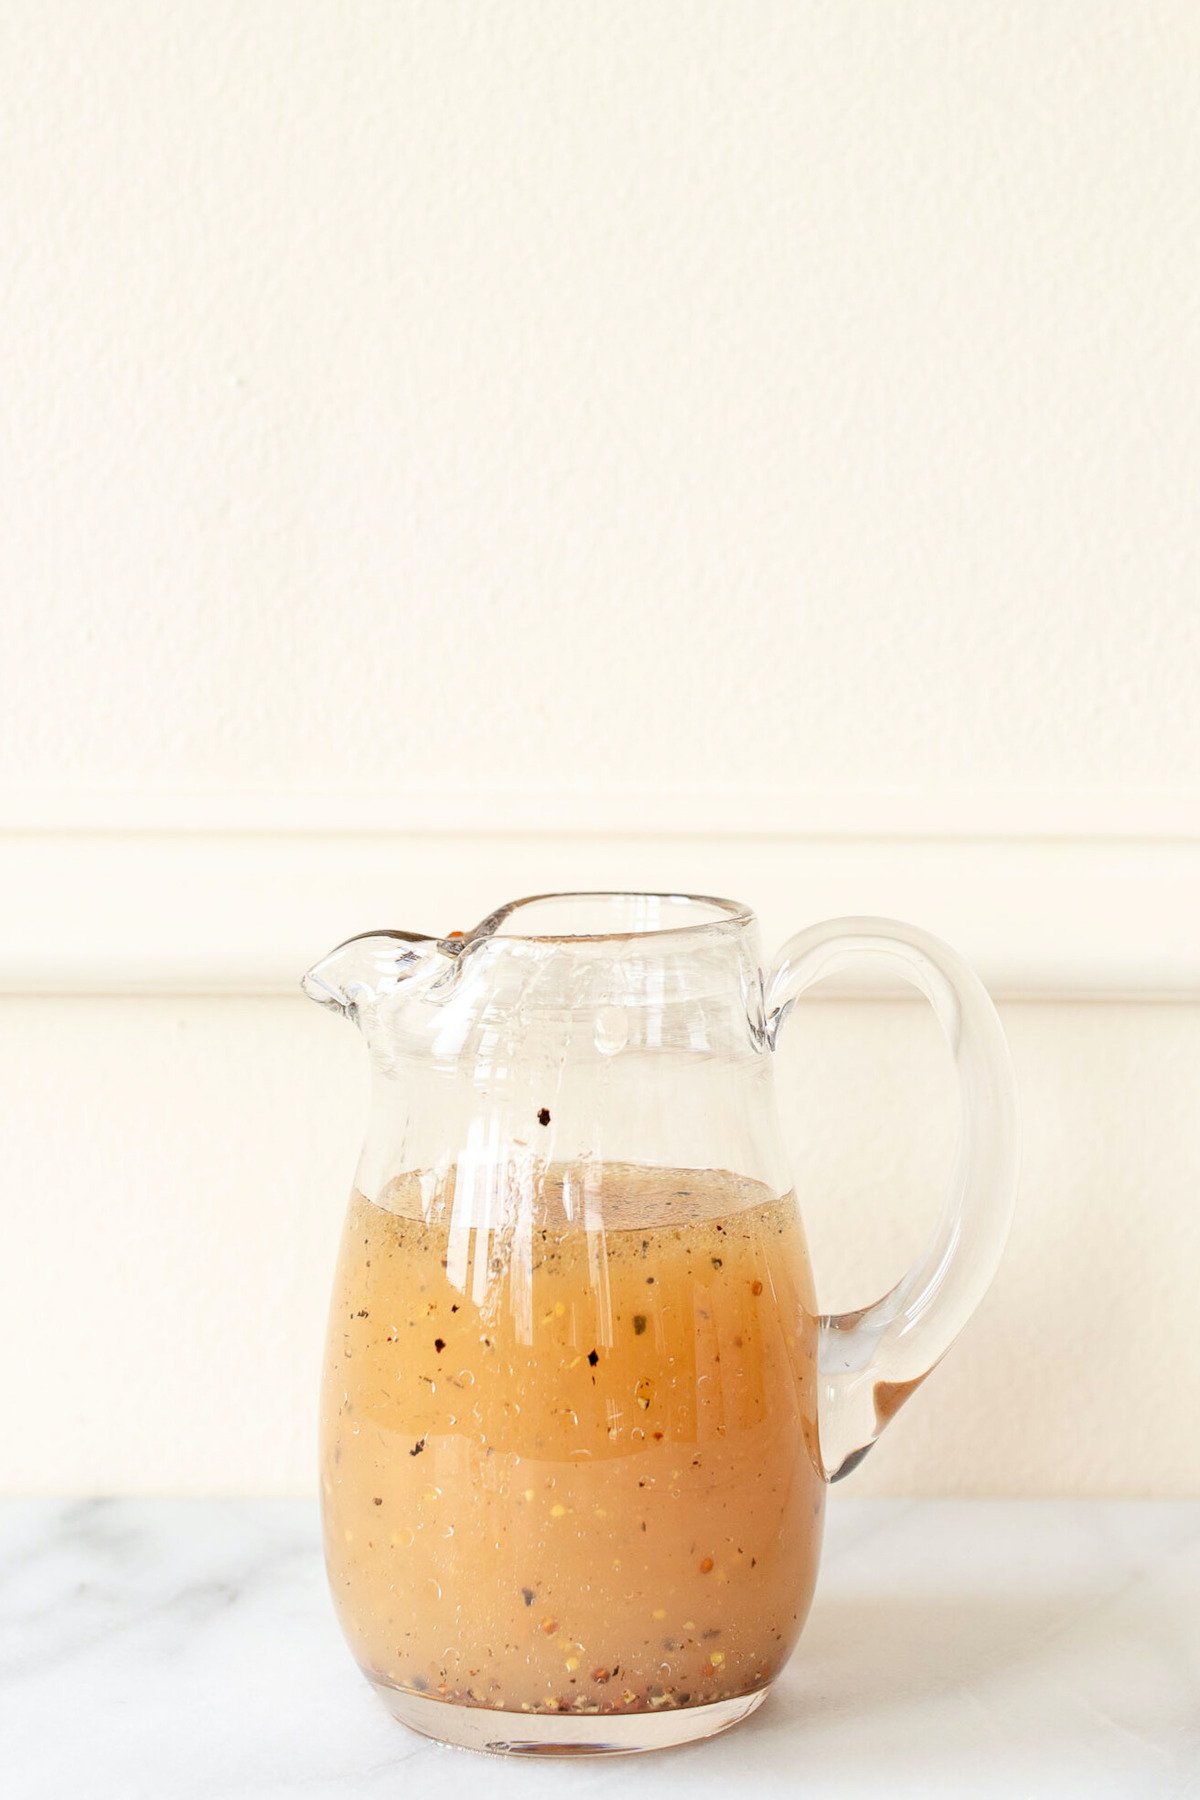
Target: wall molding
{"points": [[1050, 895], [959, 813]]}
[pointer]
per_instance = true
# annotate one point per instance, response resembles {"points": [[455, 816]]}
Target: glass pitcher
{"points": [[579, 1407]]}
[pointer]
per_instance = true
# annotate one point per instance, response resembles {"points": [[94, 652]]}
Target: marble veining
{"points": [[186, 1650]]}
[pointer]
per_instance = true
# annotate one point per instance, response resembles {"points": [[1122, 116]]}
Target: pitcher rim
{"points": [[733, 914]]}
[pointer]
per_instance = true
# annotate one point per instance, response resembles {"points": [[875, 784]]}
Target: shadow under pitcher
{"points": [[579, 1408]]}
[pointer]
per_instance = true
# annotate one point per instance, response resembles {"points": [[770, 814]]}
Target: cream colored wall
{"points": [[179, 1166], [611, 397], [453, 450]]}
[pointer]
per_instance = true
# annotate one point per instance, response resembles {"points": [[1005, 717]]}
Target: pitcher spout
{"points": [[368, 968]]}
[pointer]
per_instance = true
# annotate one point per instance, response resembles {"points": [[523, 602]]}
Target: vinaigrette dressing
{"points": [[573, 1469]]}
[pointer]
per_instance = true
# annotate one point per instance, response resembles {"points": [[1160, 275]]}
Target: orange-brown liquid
{"points": [[574, 1470]]}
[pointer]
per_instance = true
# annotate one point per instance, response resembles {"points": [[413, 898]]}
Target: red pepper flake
{"points": [[549, 1626], [601, 1675], [756, 1287], [456, 934], [657, 1436], [543, 1115], [706, 1563], [379, 1500]]}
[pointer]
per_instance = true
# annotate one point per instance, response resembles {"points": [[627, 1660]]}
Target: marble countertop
{"points": [[186, 1650]]}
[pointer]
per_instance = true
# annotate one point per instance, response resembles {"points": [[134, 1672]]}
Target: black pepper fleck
{"points": [[543, 1115]]}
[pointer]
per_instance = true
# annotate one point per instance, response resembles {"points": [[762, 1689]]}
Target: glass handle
{"points": [[869, 1362]]}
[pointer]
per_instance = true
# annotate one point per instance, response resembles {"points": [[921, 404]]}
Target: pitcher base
{"points": [[564, 1734]]}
